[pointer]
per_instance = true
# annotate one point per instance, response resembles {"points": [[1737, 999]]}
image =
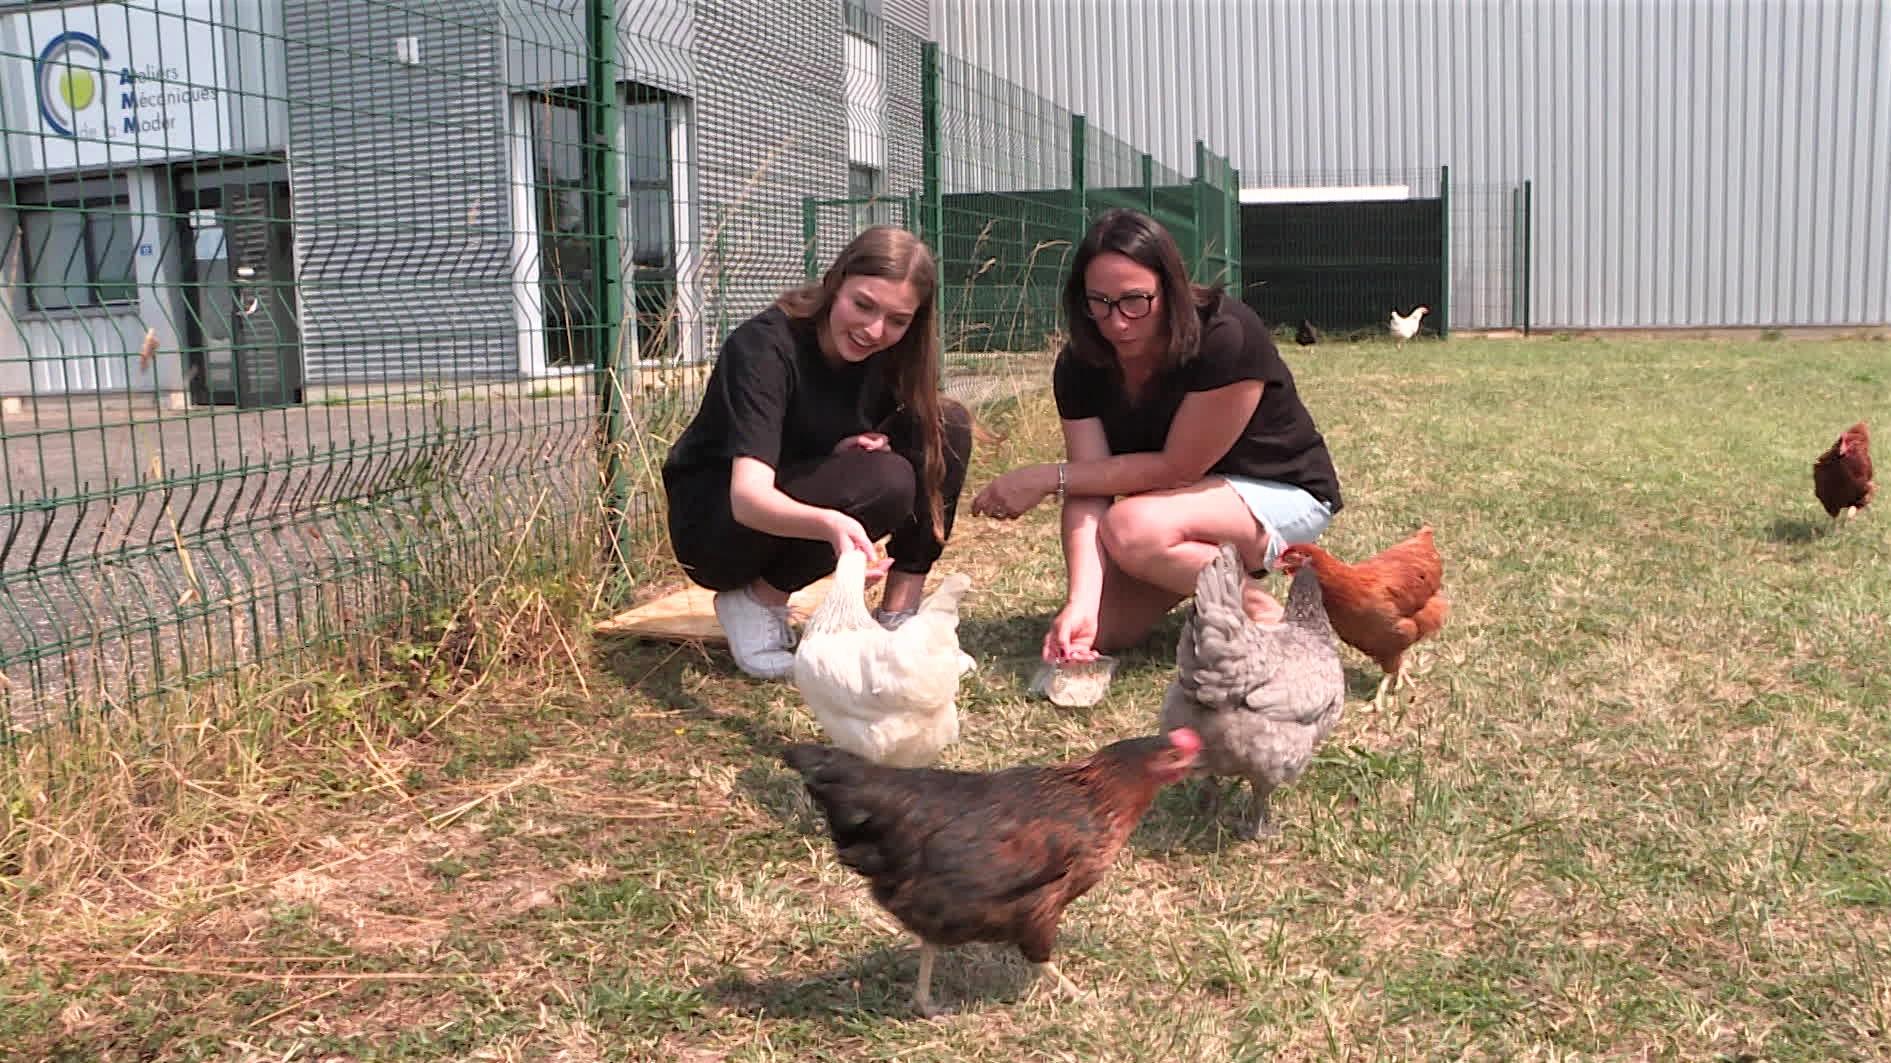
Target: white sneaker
{"points": [[760, 639]]}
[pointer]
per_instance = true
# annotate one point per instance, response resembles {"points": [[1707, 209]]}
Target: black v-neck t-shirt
{"points": [[1281, 443], [774, 396]]}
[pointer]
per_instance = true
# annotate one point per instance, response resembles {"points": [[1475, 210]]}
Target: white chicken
{"points": [[888, 696], [1405, 327]]}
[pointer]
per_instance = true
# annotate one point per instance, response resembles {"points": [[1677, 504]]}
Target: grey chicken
{"points": [[1261, 696]]}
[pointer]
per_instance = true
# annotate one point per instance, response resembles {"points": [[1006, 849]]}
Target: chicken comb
{"points": [[1186, 740]]}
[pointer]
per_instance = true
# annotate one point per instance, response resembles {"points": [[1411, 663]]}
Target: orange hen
{"points": [[1381, 606]]}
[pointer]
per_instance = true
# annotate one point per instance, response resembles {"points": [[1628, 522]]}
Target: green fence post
{"points": [[611, 361], [932, 224], [1148, 185], [1079, 180], [810, 237], [1517, 256], [931, 219], [1198, 252], [1444, 260], [721, 297], [1234, 230], [1528, 214]]}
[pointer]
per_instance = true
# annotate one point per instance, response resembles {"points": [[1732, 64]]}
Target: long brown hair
{"points": [[1145, 241], [894, 254]]}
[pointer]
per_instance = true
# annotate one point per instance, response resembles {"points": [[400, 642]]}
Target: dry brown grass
{"points": [[1635, 809]]}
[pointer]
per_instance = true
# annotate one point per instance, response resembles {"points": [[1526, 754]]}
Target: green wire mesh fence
{"points": [[321, 315], [299, 341], [1019, 180]]}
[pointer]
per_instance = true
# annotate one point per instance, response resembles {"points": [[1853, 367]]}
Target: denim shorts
{"points": [[1289, 514]]}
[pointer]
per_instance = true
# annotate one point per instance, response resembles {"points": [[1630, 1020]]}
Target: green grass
{"points": [[1636, 807]]}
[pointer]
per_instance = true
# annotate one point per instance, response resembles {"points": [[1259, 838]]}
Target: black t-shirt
{"points": [[773, 396], [1281, 442]]}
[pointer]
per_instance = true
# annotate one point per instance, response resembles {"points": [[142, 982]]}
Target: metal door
{"points": [[245, 345]]}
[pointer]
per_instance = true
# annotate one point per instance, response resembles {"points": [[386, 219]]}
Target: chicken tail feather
{"points": [[946, 598], [845, 607], [1220, 586]]}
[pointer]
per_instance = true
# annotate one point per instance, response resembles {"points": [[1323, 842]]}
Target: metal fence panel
{"points": [[320, 315], [296, 338]]}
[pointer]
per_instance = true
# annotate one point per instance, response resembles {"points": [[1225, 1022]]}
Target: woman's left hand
{"points": [[1015, 493]]}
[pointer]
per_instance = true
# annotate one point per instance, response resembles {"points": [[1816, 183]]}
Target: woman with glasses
{"points": [[1182, 430]]}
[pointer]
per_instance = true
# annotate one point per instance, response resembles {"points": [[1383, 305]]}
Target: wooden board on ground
{"points": [[689, 615]]}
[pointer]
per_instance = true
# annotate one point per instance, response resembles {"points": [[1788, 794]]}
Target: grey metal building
{"points": [[1692, 164], [386, 193]]}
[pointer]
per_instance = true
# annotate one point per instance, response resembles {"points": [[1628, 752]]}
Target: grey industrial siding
{"points": [[654, 42], [259, 119], [771, 128], [1693, 164], [395, 165], [545, 43], [908, 28], [403, 221]]}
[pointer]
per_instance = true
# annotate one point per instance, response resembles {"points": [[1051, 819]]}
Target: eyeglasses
{"points": [[1132, 305]]}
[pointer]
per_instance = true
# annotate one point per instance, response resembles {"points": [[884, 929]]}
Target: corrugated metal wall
{"points": [[1720, 162], [907, 26], [401, 190], [545, 43], [772, 111], [389, 171]]}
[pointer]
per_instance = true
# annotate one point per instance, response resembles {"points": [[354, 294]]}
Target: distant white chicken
{"points": [[888, 696], [1404, 328]]}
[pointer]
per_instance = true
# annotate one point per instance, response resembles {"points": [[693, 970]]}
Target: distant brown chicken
{"points": [[1381, 606], [1842, 475]]}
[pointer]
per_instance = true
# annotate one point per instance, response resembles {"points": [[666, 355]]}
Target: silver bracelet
{"points": [[1062, 481]]}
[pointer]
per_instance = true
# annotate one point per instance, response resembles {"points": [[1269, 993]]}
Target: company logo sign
{"points": [[70, 74]]}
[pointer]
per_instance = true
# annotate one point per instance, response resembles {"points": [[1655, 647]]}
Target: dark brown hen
{"points": [[964, 856], [1841, 478]]}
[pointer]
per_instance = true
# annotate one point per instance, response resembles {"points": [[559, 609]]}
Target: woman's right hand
{"points": [[1072, 636], [867, 441], [844, 533]]}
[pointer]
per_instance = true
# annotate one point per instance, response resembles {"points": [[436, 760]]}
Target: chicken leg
{"points": [[1208, 796], [1393, 681], [1378, 696], [1409, 672], [1047, 973], [1260, 825], [922, 992]]}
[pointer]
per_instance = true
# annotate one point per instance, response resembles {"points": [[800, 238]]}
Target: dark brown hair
{"points": [[1142, 239], [894, 254]]}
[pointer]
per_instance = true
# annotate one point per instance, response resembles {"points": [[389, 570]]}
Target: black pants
{"points": [[879, 489]]}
